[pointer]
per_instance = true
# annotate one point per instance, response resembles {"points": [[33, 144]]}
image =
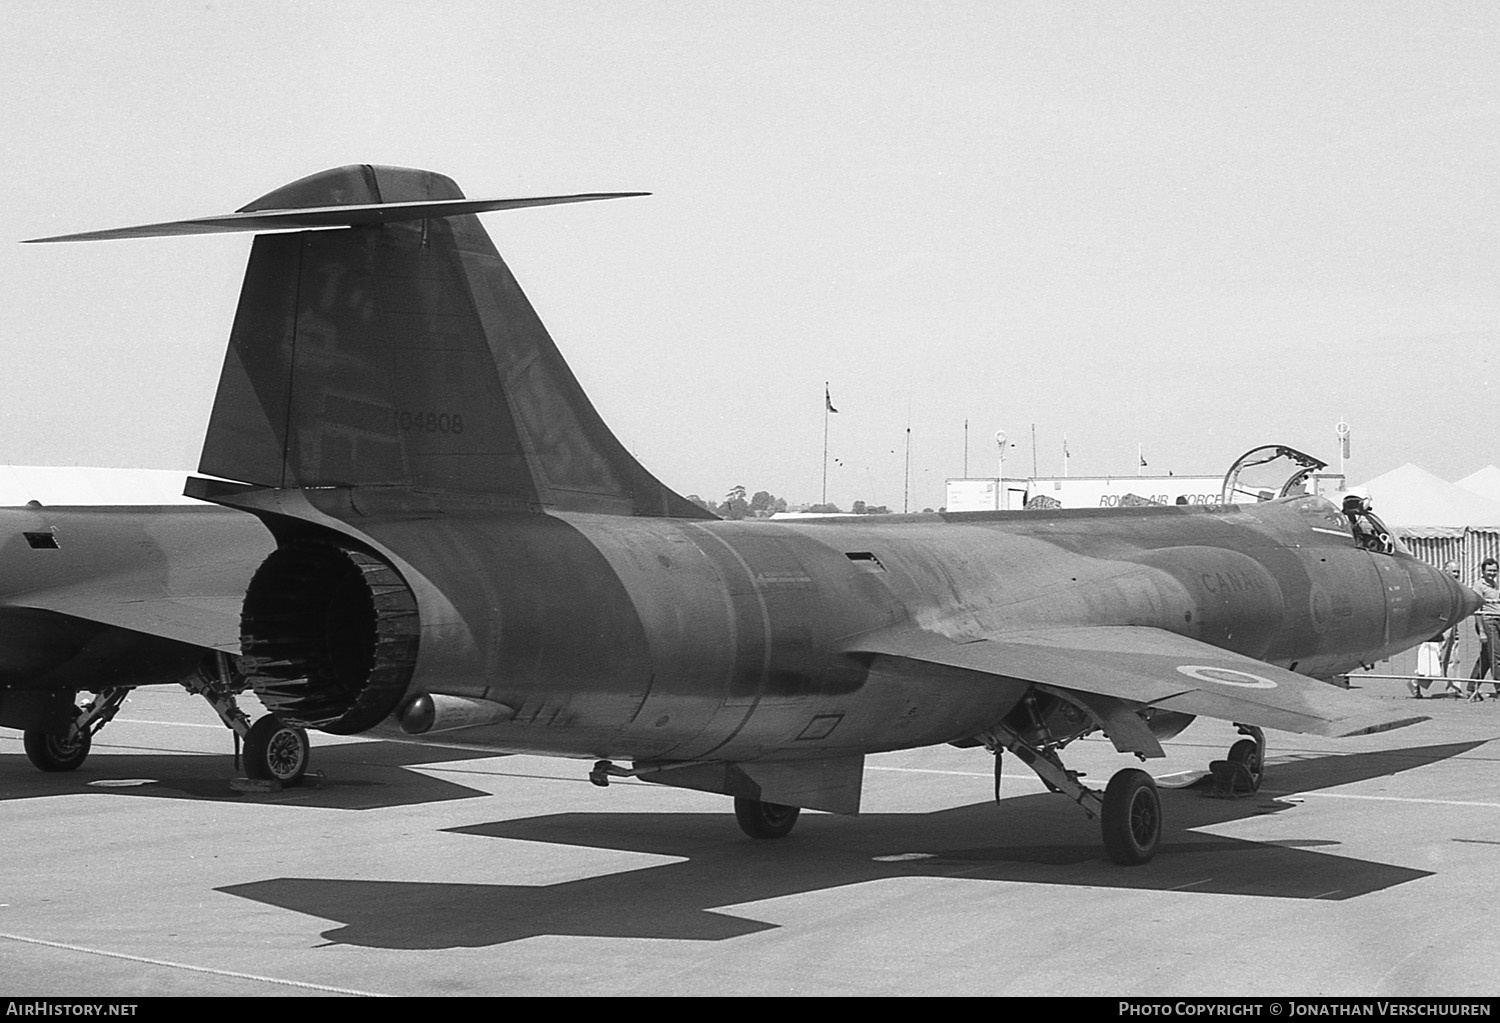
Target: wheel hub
{"points": [[284, 754]]}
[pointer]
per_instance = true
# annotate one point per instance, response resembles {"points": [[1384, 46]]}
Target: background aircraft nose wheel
{"points": [[1131, 818], [764, 820], [56, 752], [276, 751], [1246, 753]]}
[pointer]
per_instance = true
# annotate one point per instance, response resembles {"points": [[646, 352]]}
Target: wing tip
{"points": [[1371, 728]]}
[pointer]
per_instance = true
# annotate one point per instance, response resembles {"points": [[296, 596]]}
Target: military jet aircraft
{"points": [[463, 546], [108, 598]]}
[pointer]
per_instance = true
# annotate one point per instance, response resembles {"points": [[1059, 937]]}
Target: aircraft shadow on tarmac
{"points": [[354, 776], [1035, 839]]}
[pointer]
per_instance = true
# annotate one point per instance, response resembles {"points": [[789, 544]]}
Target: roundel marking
{"points": [[1226, 676]]}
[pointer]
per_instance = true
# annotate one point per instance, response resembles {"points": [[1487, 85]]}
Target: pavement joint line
{"points": [[175, 724], [189, 966], [102, 746], [1190, 884], [961, 774], [1382, 799]]}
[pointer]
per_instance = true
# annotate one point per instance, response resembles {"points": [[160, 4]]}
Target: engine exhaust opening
{"points": [[329, 636]]}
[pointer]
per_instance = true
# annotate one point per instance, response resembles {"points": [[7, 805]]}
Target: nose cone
{"points": [[1467, 599], [1438, 600]]}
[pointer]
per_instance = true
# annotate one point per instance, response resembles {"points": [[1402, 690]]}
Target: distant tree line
{"points": [[762, 505]]}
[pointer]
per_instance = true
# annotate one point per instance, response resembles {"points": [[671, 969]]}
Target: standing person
{"points": [[1429, 665], [1487, 621], [1435, 655]]}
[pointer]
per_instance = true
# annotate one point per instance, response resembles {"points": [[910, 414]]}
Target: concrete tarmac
{"points": [[1366, 866]]}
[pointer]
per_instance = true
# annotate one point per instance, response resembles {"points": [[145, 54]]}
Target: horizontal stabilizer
{"points": [[1151, 667], [354, 215]]}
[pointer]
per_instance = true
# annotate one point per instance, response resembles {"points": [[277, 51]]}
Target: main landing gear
{"points": [[273, 751], [67, 751], [1128, 811]]}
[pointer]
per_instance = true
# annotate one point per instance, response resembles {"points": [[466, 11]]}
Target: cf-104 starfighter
{"points": [[463, 547]]}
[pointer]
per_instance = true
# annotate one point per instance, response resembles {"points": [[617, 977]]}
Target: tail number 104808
{"points": [[418, 421]]}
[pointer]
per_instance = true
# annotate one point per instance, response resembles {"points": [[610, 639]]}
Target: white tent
{"points": [[75, 485], [1411, 497], [1485, 482]]}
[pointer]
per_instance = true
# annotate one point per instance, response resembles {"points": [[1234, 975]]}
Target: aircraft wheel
{"points": [[276, 751], [1132, 817], [54, 752], [1247, 753], [764, 820]]}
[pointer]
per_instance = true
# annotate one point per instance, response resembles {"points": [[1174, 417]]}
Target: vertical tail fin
{"points": [[402, 353]]}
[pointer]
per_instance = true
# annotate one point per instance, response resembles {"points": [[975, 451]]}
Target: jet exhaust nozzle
{"points": [[329, 636]]}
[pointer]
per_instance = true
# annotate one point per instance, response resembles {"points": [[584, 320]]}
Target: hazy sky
{"points": [[1195, 227]]}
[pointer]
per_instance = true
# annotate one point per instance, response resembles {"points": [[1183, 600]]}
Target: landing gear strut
{"points": [[1129, 810], [274, 750]]}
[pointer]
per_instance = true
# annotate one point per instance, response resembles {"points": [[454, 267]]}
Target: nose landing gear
{"points": [[1242, 773]]}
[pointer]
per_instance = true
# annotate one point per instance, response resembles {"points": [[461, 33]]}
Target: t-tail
{"points": [[401, 353]]}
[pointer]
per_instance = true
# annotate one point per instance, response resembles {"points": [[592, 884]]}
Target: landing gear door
{"points": [[1266, 473]]}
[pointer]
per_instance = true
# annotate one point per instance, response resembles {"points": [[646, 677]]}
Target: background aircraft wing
{"points": [[175, 572], [206, 621], [1150, 667]]}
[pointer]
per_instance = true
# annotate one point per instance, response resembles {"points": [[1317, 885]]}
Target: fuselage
{"points": [[671, 639]]}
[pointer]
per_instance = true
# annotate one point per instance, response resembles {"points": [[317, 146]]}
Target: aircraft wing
{"points": [[206, 621], [179, 573], [1151, 667]]}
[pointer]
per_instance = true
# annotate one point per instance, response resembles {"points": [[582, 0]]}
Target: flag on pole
{"points": [[827, 401]]}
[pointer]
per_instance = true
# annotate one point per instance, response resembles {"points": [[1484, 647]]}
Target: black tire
{"points": [[276, 752], [764, 820], [54, 753], [1246, 752], [1132, 817]]}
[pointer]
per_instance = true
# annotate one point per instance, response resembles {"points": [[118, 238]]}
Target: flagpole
{"points": [[906, 486], [827, 400]]}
